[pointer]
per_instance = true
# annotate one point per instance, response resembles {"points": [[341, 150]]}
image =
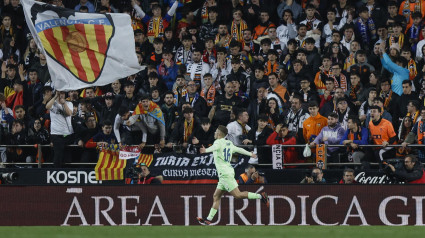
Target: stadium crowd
{"points": [[333, 72]]}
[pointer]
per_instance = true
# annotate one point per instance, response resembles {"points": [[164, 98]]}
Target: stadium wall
{"points": [[328, 205]]}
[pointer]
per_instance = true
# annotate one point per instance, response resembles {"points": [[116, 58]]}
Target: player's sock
{"points": [[253, 195], [212, 214]]}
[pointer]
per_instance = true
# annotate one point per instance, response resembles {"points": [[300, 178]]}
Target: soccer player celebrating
{"points": [[222, 150]]}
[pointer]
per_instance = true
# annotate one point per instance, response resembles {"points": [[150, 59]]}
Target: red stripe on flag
{"points": [[75, 57], [101, 38], [55, 46], [90, 53]]}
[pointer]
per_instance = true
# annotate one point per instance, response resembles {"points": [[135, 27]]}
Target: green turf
{"points": [[214, 231]]}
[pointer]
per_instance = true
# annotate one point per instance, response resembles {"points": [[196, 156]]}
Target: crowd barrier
{"points": [[87, 176], [39, 147], [326, 205]]}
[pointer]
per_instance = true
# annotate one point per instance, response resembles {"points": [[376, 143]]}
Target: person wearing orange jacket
{"points": [[314, 124]]}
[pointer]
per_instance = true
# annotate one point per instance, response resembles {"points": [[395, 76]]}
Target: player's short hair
{"points": [[222, 129]]}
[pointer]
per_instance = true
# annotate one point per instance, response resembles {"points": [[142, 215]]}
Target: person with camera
{"points": [[252, 176], [140, 174], [314, 176], [411, 172]]}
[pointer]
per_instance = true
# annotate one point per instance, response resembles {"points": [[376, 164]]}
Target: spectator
{"points": [[314, 124], [184, 52], [354, 136], [308, 94], [155, 58], [417, 135], [315, 176], [348, 177], [403, 101], [204, 135], [8, 77], [109, 6], [17, 136], [34, 88], [382, 133], [130, 99], [272, 112], [197, 68], [365, 106], [258, 137], [238, 129], [277, 91], [151, 122], [42, 70], [38, 134], [61, 127], [126, 134], [296, 116], [411, 172], [184, 129], [87, 4], [167, 69], [265, 23], [170, 112], [86, 139], [400, 73], [362, 67], [210, 27], [257, 106], [380, 103], [110, 110], [223, 106], [251, 176], [331, 135], [152, 22], [198, 103], [283, 136]]}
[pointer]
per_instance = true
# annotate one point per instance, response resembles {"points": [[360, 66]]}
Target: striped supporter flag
{"points": [[109, 166]]}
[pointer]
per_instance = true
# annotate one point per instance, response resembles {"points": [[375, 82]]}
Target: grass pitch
{"points": [[213, 231]]}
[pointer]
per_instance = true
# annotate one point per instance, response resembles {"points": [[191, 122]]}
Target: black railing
{"points": [[40, 153]]}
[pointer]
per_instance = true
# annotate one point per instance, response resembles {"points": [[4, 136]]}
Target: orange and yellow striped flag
{"points": [[109, 166]]}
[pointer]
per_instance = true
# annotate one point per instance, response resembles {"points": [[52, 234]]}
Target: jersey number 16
{"points": [[227, 155]]}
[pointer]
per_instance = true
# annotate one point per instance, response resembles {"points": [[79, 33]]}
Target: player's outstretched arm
{"points": [[243, 151], [208, 150]]}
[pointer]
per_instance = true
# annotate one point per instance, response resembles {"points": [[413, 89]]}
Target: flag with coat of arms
{"points": [[82, 49]]}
